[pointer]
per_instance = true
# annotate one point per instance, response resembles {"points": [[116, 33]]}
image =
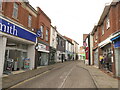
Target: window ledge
{"points": [[15, 18]]}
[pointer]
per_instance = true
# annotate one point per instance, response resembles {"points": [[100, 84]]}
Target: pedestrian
{"points": [[101, 61]]}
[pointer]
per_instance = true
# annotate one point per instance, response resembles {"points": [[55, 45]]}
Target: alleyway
{"points": [[69, 76]]}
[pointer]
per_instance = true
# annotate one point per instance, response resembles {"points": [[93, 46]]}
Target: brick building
{"points": [[17, 36], [103, 47], [43, 42]]}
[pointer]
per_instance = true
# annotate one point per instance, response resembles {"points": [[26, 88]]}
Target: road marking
{"points": [[29, 79], [65, 78]]}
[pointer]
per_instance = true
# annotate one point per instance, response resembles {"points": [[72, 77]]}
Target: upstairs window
{"points": [[30, 21], [42, 31], [107, 22], [96, 35], [46, 35], [15, 11], [103, 29], [0, 5]]}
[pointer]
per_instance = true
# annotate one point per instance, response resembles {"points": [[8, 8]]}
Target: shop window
{"points": [[29, 21], [107, 22], [42, 31], [15, 11], [46, 35]]}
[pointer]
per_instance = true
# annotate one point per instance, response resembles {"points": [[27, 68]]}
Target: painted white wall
{"points": [[3, 41], [53, 36], [91, 46], [31, 55]]}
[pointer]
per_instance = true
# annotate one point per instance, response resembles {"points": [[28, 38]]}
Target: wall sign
{"points": [[42, 47], [38, 33], [117, 44], [15, 30]]}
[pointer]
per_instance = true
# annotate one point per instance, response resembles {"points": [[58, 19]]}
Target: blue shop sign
{"points": [[117, 44], [14, 30], [38, 33]]}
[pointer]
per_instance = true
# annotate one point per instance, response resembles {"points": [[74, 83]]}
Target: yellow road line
{"points": [[29, 79]]}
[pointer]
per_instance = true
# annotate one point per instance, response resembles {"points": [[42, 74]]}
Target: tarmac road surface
{"points": [[71, 75]]}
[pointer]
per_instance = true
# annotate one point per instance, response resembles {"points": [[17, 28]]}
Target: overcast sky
{"points": [[73, 18]]}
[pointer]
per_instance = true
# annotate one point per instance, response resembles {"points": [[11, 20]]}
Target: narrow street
{"points": [[69, 76]]}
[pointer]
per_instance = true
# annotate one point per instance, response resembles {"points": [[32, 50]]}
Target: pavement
{"points": [[70, 71], [101, 79]]}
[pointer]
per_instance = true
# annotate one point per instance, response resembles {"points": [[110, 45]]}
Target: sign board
{"points": [[38, 33], [10, 28], [42, 47], [117, 44]]}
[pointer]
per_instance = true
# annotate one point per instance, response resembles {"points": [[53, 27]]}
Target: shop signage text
{"points": [[42, 47], [15, 30]]}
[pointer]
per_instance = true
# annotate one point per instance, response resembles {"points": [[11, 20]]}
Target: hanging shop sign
{"points": [[10, 28], [38, 33], [42, 47]]}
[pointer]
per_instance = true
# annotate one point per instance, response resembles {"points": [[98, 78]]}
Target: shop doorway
{"points": [[14, 60], [96, 58]]}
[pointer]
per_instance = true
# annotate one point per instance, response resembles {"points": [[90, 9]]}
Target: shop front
{"points": [[107, 61], [43, 54], [116, 42], [52, 55], [60, 56], [96, 61], [17, 47]]}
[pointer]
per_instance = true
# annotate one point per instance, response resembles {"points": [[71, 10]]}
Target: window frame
{"points": [[47, 35], [29, 21], [107, 22], [102, 28], [15, 10], [1, 5], [42, 31]]}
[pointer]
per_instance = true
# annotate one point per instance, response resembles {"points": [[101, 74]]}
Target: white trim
{"points": [[13, 48], [105, 42], [44, 51], [115, 35]]}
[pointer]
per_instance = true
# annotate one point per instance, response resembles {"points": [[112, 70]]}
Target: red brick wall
{"points": [[114, 15], [46, 22], [96, 41], [7, 8]]}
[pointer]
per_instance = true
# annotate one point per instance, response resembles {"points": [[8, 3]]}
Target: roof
{"points": [[94, 29], [41, 11], [106, 11]]}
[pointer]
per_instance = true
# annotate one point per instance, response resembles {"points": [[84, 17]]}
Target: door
{"points": [[44, 59], [96, 57]]}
